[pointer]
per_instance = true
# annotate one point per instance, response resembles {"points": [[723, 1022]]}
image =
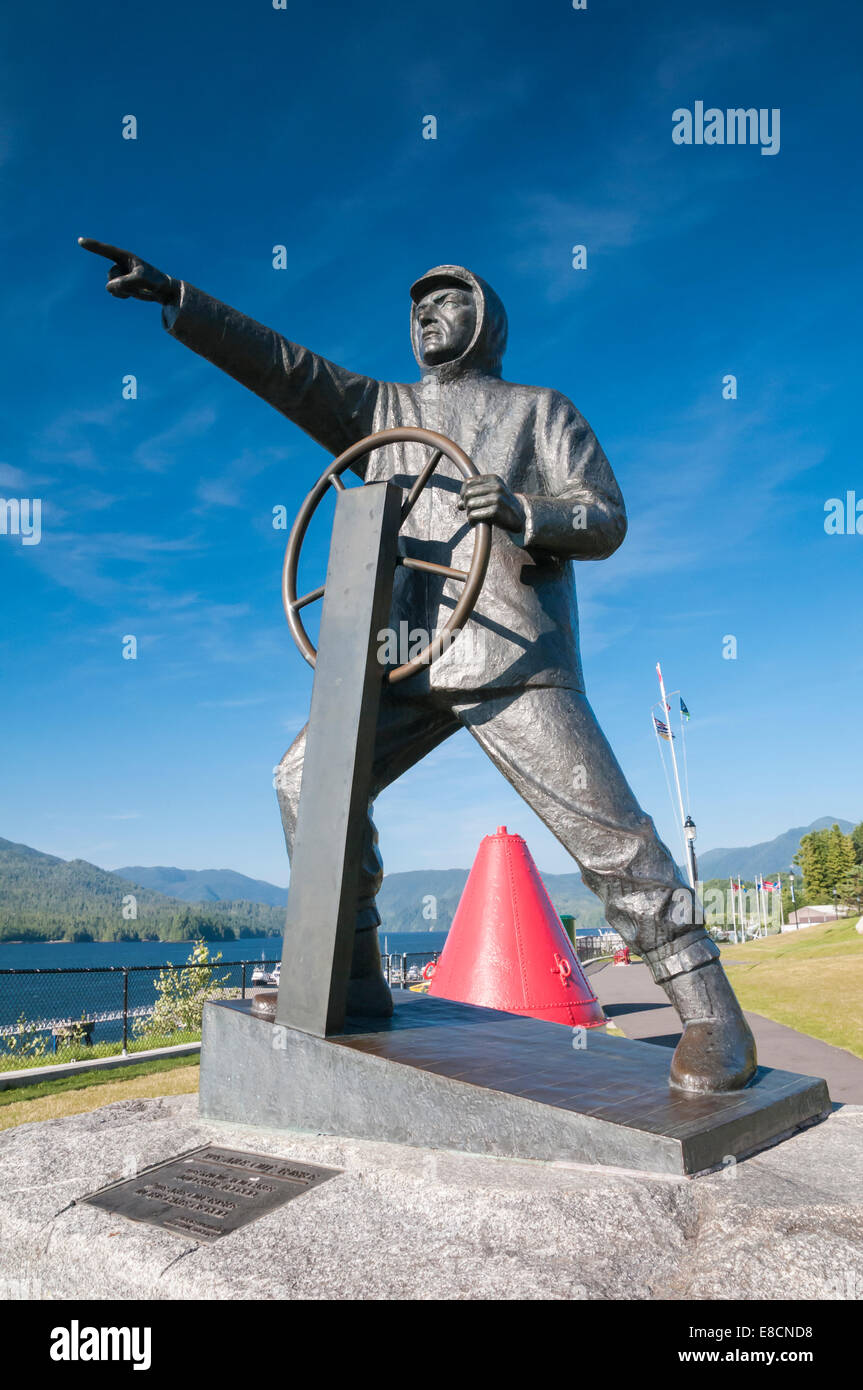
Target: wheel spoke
{"points": [[431, 568], [420, 482], [337, 483], [299, 603]]}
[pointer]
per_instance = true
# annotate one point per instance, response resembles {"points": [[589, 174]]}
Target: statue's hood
{"points": [[485, 351]]}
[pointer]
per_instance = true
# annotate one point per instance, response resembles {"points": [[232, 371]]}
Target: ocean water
{"points": [[52, 981], [49, 955], [90, 955], [71, 980]]}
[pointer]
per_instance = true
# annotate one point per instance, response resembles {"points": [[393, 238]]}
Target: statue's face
{"points": [[447, 320]]}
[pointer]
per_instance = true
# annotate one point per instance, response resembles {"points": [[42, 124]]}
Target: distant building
{"points": [[812, 916]]}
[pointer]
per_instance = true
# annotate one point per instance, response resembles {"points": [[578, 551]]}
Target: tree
{"points": [[825, 856], [850, 888], [857, 842], [182, 994], [29, 1041], [839, 855], [812, 859]]}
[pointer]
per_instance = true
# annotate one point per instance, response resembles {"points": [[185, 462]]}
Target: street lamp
{"points": [[835, 903], [689, 832]]}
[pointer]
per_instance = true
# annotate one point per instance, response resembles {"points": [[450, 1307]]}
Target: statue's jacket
{"points": [[524, 629]]}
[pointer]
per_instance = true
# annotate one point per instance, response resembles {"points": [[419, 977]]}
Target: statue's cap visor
{"points": [[440, 278], [489, 339]]}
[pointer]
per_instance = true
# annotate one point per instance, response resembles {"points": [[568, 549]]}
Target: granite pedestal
{"points": [[453, 1076], [404, 1223]]}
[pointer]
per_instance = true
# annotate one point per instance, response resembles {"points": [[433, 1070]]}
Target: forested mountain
{"points": [[43, 898], [426, 899], [206, 885], [770, 857], [420, 900], [46, 898]]}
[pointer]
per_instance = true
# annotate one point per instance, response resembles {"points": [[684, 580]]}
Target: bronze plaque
{"points": [[209, 1192]]}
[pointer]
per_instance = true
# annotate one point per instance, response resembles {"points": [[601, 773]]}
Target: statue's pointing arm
{"points": [[333, 405], [579, 514]]}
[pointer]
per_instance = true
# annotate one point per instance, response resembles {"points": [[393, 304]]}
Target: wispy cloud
{"points": [[12, 477], [229, 487], [68, 439], [95, 566], [244, 703], [160, 451], [706, 49]]}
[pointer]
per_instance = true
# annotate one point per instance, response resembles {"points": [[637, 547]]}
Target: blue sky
{"points": [[304, 127]]}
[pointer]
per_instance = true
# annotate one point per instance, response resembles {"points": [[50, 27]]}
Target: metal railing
{"points": [[73, 1014], [590, 948], [70, 1015], [405, 968]]}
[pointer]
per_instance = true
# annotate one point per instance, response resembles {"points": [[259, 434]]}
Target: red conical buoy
{"points": [[507, 948]]}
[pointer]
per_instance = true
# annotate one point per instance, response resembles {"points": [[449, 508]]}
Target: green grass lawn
{"points": [[811, 980], [9, 1061], [72, 1095]]}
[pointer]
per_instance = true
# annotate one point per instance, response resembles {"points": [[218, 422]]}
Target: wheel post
{"points": [[337, 765]]}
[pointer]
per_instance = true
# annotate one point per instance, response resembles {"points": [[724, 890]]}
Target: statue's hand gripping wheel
{"points": [[471, 578]]}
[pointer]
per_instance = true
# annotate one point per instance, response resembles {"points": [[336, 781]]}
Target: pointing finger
{"points": [[104, 248]]}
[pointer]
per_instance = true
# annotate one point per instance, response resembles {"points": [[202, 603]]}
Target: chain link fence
{"points": [[599, 947], [402, 969], [72, 1015], [411, 969]]}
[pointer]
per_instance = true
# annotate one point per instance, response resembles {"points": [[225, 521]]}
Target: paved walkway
{"points": [[641, 1010]]}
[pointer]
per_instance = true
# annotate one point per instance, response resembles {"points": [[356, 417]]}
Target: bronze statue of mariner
{"points": [[513, 679]]}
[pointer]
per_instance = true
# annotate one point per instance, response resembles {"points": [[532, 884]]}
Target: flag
{"points": [[684, 711], [768, 887], [663, 730]]}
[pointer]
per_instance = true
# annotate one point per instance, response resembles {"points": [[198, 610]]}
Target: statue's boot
{"points": [[717, 1050], [368, 992]]}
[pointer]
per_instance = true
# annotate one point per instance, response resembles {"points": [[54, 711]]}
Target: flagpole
{"points": [[686, 856], [683, 749], [662, 761], [766, 906], [733, 912], [764, 902]]}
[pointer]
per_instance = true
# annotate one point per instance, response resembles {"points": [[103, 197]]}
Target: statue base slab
{"points": [[452, 1076]]}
